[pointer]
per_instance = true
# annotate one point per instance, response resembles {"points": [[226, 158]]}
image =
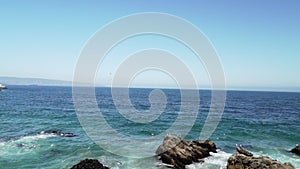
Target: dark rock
{"points": [[177, 152], [296, 150], [68, 135], [54, 132], [243, 159], [58, 133], [20, 145], [241, 150], [89, 164]]}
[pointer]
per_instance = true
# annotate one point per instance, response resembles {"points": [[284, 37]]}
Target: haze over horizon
{"points": [[257, 42], [54, 82]]}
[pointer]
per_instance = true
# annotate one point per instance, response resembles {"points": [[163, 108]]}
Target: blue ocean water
{"points": [[266, 123]]}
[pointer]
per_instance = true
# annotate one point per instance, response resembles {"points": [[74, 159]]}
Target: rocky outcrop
{"points": [[296, 150], [177, 152], [89, 164], [243, 159]]}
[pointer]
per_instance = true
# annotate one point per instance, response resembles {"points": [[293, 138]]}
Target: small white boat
{"points": [[2, 86]]}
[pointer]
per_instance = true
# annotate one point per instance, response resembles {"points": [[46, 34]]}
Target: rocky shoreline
{"points": [[176, 153]]}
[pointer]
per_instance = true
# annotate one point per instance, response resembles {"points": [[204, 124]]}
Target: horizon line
{"points": [[205, 87], [167, 88]]}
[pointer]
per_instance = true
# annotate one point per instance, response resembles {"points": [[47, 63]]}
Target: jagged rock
{"points": [[89, 164], [243, 159], [178, 152], [296, 150], [241, 150]]}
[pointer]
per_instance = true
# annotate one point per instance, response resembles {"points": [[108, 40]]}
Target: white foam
{"points": [[34, 137], [280, 156], [215, 161], [21, 145], [219, 160]]}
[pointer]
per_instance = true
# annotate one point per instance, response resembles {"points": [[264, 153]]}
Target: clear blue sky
{"points": [[258, 41]]}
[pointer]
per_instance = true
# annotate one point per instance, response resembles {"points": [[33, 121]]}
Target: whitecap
{"points": [[21, 145], [215, 161]]}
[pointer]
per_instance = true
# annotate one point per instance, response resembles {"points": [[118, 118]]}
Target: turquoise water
{"points": [[264, 122]]}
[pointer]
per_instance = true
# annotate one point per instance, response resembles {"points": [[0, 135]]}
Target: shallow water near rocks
{"points": [[266, 123]]}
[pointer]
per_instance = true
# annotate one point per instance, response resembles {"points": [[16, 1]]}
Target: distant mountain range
{"points": [[33, 81]]}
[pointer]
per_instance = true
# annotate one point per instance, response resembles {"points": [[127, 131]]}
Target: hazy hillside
{"points": [[33, 81]]}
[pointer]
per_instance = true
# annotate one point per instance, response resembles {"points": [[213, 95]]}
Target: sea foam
{"points": [[215, 161]]}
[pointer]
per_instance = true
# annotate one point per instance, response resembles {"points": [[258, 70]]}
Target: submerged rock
{"points": [[89, 164], [59, 133], [243, 159], [178, 152], [296, 150]]}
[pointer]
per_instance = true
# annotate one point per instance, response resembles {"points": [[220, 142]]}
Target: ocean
{"points": [[266, 123]]}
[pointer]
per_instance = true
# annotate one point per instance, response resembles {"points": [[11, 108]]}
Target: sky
{"points": [[257, 41]]}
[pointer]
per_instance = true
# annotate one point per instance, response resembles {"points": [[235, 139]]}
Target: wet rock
{"points": [[177, 152], [241, 150], [20, 145], [243, 159], [296, 150], [59, 133], [89, 164]]}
